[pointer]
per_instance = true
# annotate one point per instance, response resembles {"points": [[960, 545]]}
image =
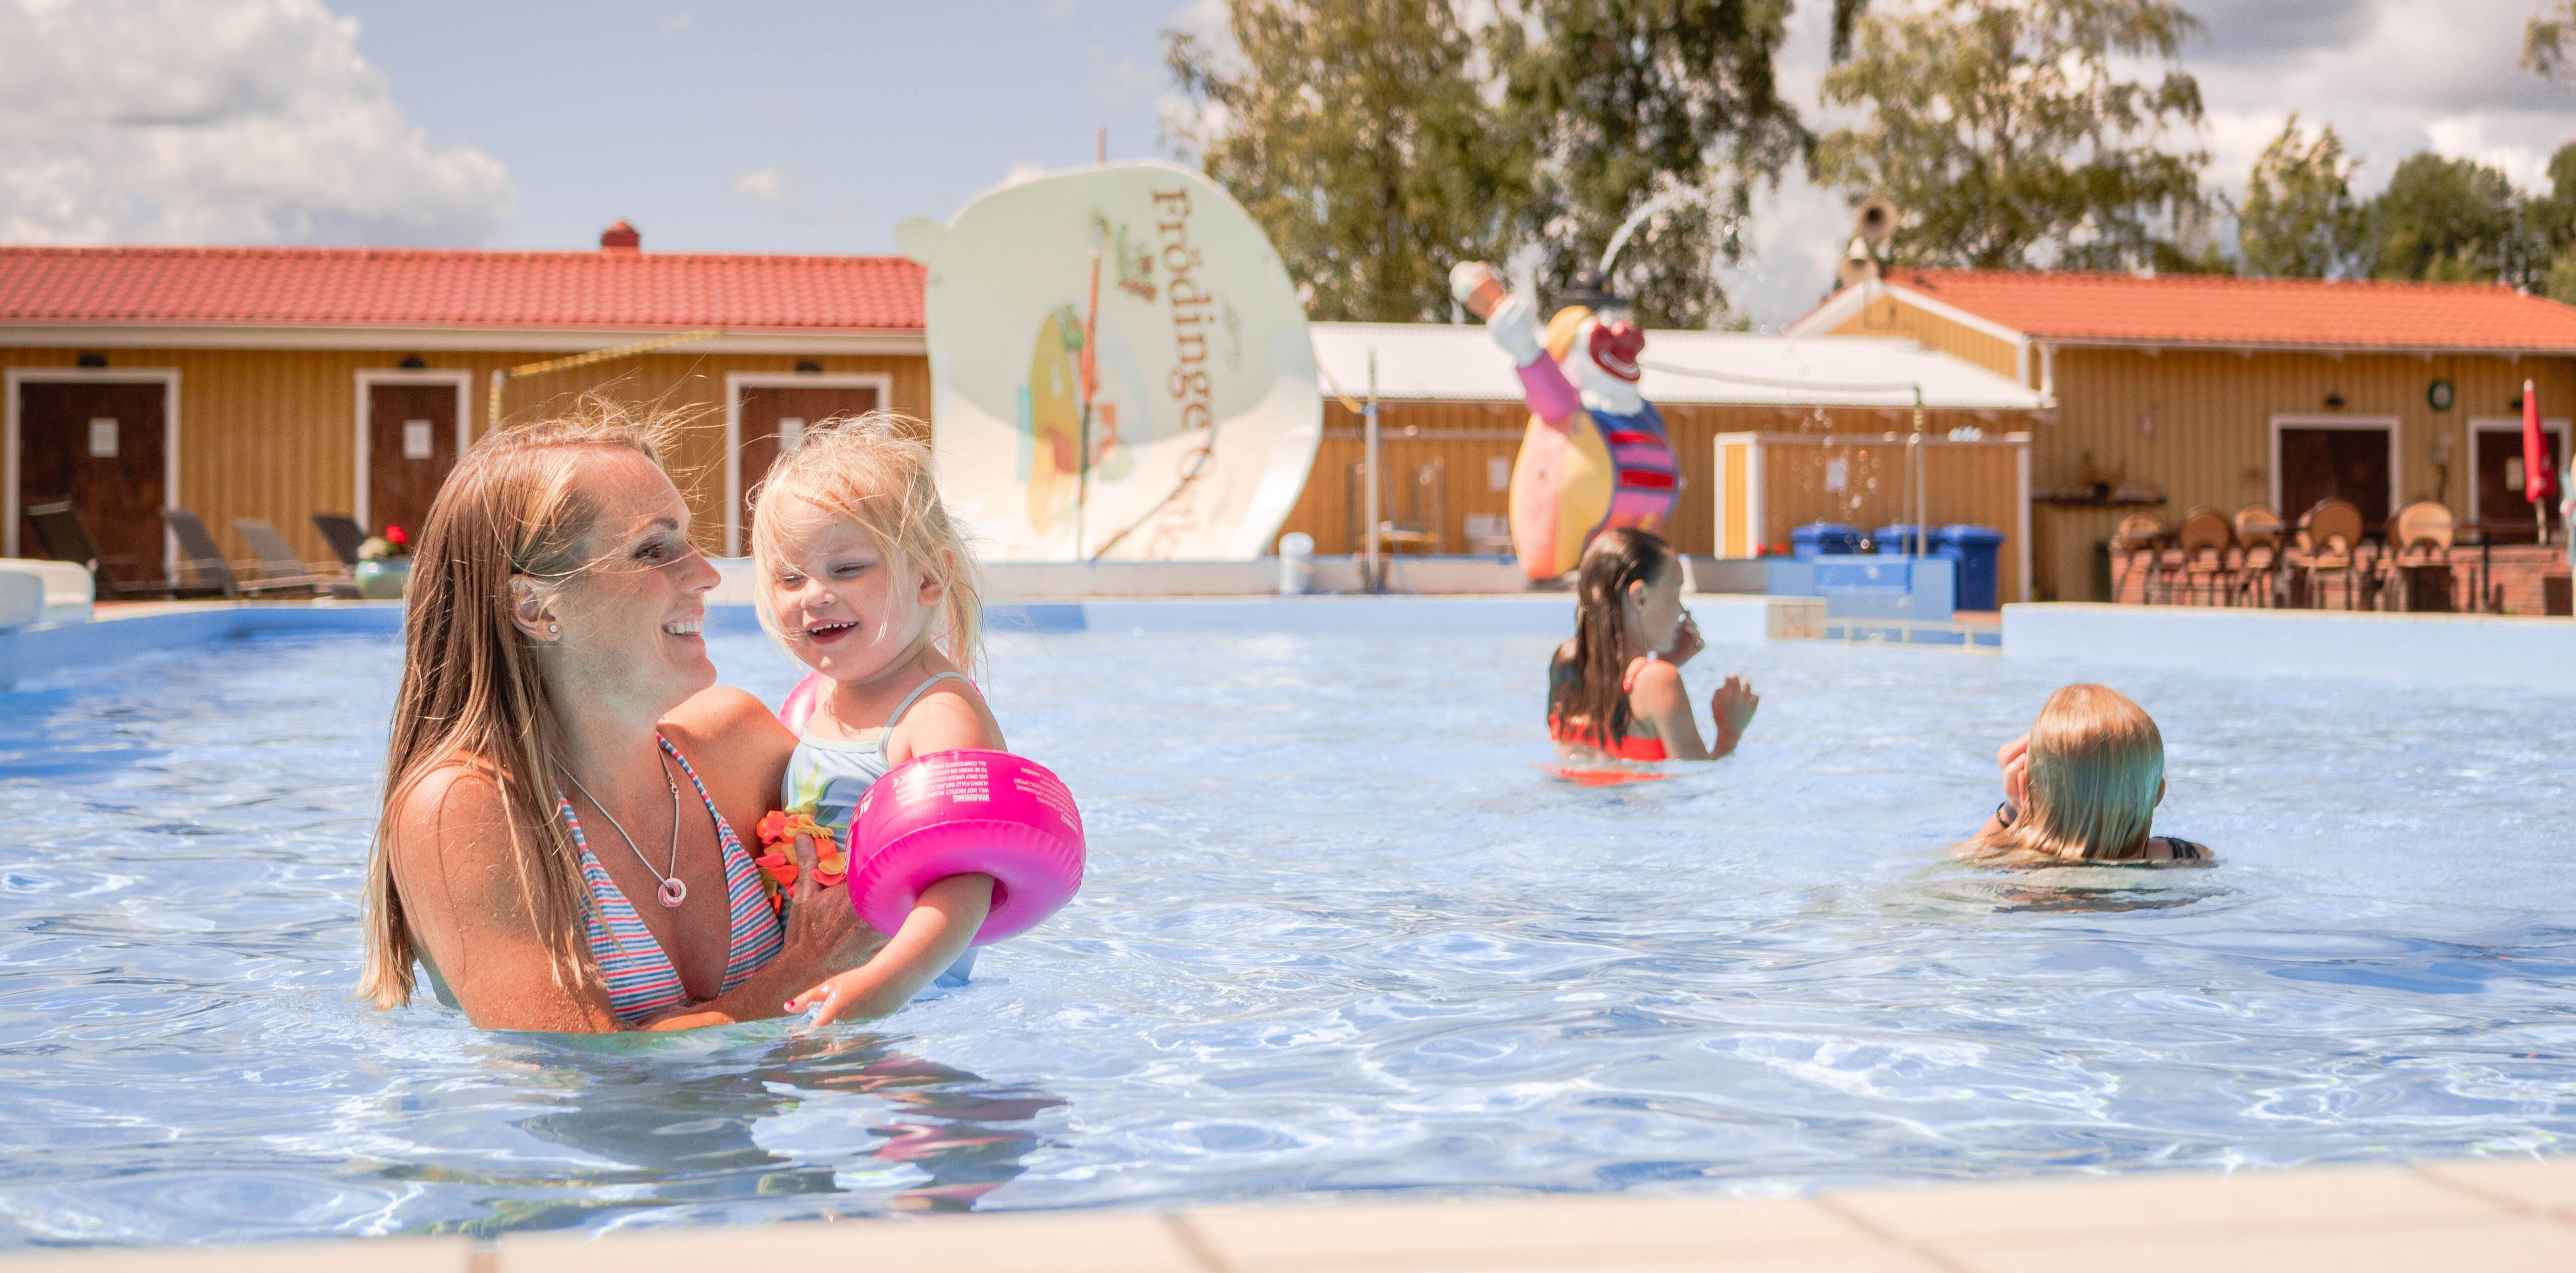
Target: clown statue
{"points": [[1595, 455]]}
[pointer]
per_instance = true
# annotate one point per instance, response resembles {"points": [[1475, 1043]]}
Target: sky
{"points": [[818, 125]]}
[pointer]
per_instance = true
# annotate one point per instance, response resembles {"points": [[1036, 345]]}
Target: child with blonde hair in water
{"points": [[2081, 788], [866, 579], [1616, 689]]}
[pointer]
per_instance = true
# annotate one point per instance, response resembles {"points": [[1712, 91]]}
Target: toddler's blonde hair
{"points": [[875, 471], [2097, 768]]}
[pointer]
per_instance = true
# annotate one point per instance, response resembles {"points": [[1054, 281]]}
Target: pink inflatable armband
{"points": [[956, 812], [801, 701]]}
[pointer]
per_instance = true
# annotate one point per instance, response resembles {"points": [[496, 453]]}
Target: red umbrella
{"points": [[2539, 465]]}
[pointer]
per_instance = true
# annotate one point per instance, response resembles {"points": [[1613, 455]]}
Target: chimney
{"points": [[620, 237]]}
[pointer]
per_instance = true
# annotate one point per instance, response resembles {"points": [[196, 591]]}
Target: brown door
{"points": [[773, 412], [2324, 463], [411, 445], [2503, 513], [100, 445]]}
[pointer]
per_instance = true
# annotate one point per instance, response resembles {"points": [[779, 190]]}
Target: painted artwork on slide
{"points": [[1146, 290]]}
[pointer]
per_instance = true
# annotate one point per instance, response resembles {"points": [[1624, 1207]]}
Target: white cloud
{"points": [[676, 25], [219, 121], [771, 185]]}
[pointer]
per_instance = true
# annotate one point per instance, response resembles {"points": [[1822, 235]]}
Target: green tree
{"points": [[2549, 225], [2299, 219], [2548, 39], [1355, 133], [2448, 220], [2010, 136], [1667, 108]]}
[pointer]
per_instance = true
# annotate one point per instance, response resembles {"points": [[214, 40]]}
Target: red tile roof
{"points": [[363, 287], [2189, 309]]}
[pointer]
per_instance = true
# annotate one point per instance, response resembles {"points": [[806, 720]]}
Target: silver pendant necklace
{"points": [[673, 890]]}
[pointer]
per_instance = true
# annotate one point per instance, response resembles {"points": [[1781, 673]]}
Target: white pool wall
{"points": [[2451, 649]]}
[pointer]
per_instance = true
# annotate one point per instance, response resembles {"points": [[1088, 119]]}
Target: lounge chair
{"points": [[2202, 543], [65, 537], [199, 556], [344, 535], [2258, 562], [279, 567]]}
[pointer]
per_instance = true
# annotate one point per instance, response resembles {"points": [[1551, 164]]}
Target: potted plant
{"points": [[384, 565]]}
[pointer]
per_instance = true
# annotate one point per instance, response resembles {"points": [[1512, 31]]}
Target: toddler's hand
{"points": [[1732, 708], [833, 994]]}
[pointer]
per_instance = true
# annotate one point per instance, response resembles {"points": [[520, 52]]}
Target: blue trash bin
{"points": [[1978, 550], [1898, 538], [1824, 539]]}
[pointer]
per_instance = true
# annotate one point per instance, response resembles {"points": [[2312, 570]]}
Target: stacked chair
{"points": [[2258, 554], [2134, 546]]}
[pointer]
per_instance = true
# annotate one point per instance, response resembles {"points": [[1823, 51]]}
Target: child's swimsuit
{"points": [[641, 978], [826, 777], [1634, 747]]}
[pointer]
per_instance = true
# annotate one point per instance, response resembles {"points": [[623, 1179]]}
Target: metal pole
{"points": [[1371, 580], [1090, 373], [1915, 493]]}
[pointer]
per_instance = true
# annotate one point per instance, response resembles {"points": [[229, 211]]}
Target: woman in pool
{"points": [[1616, 689], [557, 841], [2081, 788]]}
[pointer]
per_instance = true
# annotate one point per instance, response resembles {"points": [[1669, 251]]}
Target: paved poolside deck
{"points": [[2461, 1214]]}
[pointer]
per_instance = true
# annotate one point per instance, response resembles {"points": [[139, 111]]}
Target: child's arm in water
{"points": [[1659, 696], [943, 923]]}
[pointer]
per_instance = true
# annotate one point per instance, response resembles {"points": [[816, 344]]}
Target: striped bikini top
{"points": [[641, 977]]}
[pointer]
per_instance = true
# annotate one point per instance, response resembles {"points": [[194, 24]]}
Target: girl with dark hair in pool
{"points": [[557, 840], [1616, 688], [2081, 789]]}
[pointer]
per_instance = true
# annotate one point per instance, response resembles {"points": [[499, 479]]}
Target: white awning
{"points": [[1445, 362]]}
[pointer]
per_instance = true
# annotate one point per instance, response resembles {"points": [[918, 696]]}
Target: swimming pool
{"points": [[1341, 935]]}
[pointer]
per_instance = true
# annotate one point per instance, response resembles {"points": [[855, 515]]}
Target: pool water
{"points": [[1342, 934]]}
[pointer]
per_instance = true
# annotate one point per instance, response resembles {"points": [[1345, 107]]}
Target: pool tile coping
{"points": [[2469, 1213]]}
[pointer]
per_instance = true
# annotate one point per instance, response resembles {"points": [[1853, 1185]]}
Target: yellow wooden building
{"points": [[278, 383], [2177, 392]]}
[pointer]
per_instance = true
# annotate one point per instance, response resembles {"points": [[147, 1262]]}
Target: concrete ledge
{"points": [[2455, 649], [2467, 1214], [63, 592]]}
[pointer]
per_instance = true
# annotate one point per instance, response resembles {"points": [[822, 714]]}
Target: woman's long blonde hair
{"points": [[2097, 768], [472, 696], [874, 470]]}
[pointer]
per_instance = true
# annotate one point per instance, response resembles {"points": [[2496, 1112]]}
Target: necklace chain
{"points": [[673, 890]]}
